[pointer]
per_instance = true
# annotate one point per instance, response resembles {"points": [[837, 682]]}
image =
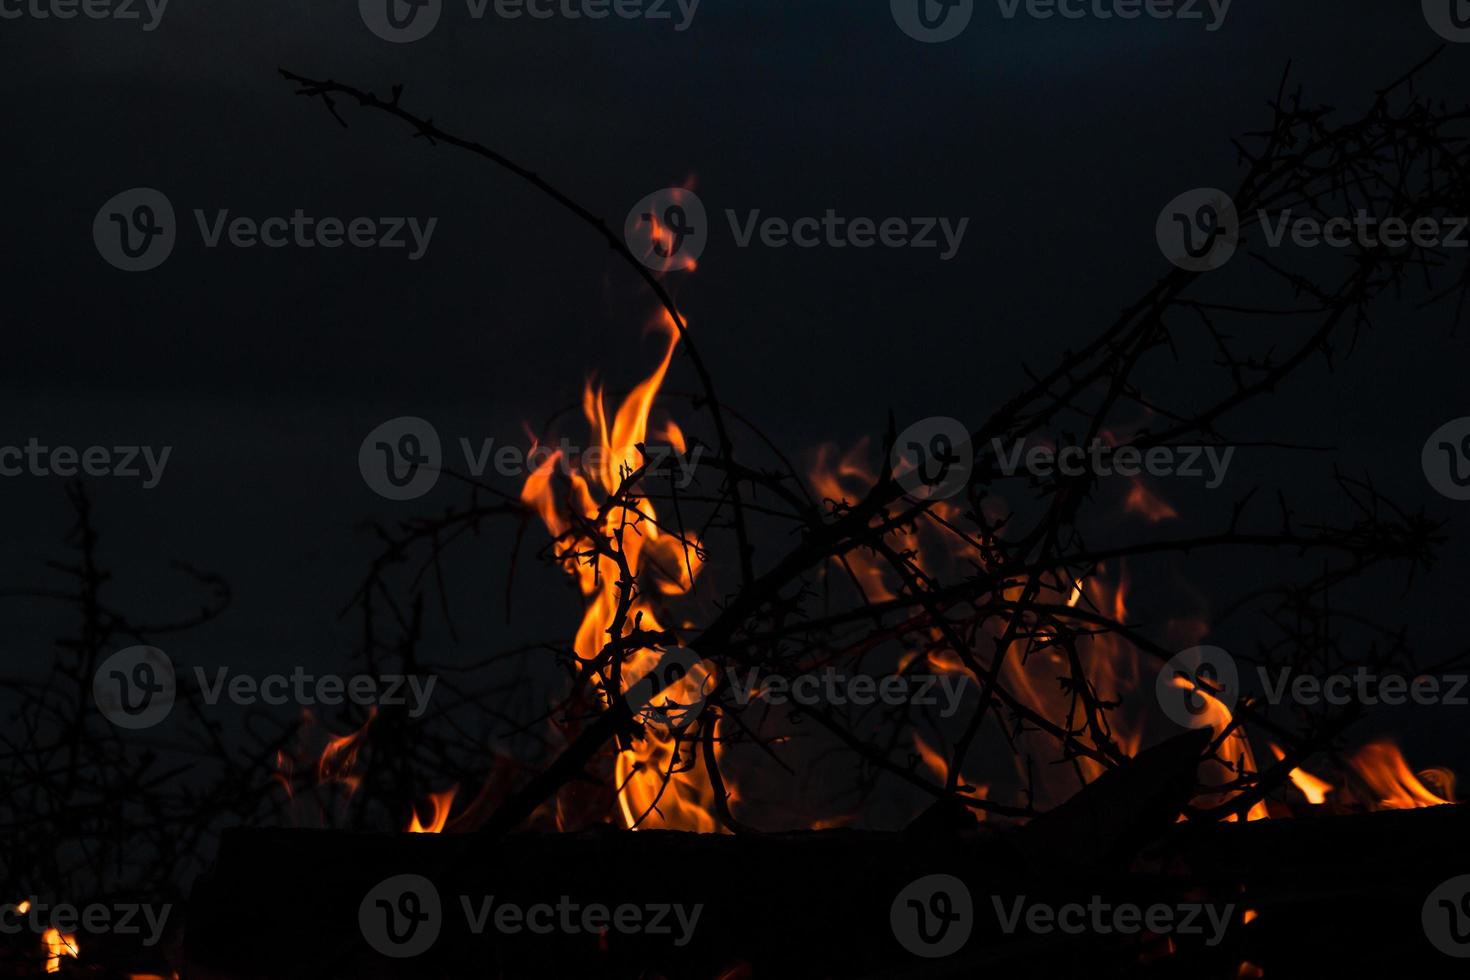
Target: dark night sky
{"points": [[265, 368]]}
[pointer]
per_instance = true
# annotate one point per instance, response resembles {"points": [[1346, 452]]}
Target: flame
{"points": [[339, 758], [932, 758], [1143, 501], [58, 944], [659, 784], [1314, 789], [441, 802], [1393, 785]]}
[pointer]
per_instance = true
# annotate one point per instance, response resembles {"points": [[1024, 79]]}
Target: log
{"points": [[1339, 894]]}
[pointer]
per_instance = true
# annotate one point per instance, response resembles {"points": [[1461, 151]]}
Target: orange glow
{"points": [[1392, 784], [1143, 501], [58, 944], [1314, 789], [932, 758], [654, 788], [441, 802], [339, 758]]}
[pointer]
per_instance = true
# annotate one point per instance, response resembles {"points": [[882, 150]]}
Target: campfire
{"points": [[894, 708]]}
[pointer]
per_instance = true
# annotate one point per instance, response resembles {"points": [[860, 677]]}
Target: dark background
{"points": [[265, 368]]}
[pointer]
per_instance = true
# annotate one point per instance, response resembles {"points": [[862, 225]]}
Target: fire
{"points": [[659, 781], [441, 802], [932, 758], [58, 944], [1314, 789], [1392, 784], [339, 758]]}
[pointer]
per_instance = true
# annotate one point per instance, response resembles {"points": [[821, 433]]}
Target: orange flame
{"points": [[1314, 789], [1393, 784], [339, 758], [654, 787], [58, 944], [441, 802]]}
